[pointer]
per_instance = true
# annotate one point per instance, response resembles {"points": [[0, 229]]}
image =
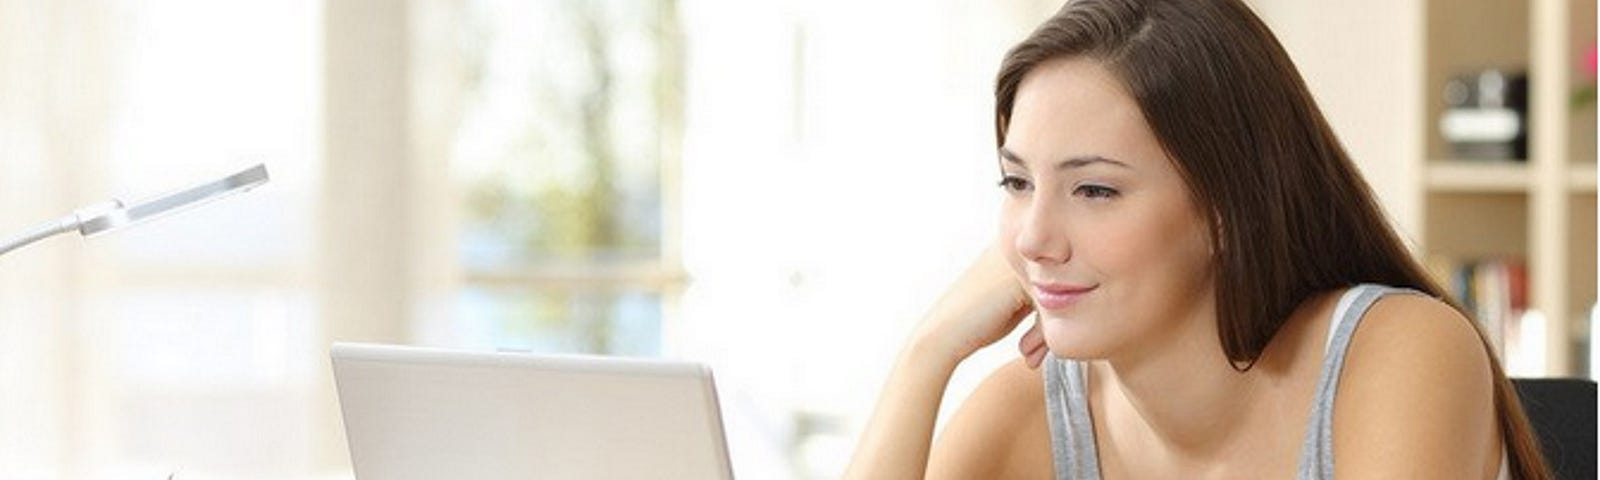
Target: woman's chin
{"points": [[1073, 338]]}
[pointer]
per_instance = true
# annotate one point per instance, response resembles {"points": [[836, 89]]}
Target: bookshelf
{"points": [[1538, 211]]}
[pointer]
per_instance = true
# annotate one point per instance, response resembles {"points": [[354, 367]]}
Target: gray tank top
{"points": [[1072, 440]]}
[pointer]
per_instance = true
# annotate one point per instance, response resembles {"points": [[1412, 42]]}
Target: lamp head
{"points": [[117, 215]]}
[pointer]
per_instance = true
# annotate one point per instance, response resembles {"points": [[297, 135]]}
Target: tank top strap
{"points": [[1071, 430]]}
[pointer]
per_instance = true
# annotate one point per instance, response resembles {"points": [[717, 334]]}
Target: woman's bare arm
{"points": [[896, 441], [984, 305]]}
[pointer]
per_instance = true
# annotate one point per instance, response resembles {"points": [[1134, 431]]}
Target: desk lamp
{"points": [[115, 215]]}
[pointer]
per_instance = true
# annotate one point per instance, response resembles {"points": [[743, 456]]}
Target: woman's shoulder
{"points": [[1414, 339], [1416, 391], [1401, 331], [1397, 322]]}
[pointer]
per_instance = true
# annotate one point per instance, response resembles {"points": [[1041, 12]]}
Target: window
{"points": [[566, 136]]}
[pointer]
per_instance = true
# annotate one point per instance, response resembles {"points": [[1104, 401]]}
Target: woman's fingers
{"points": [[1036, 357], [1032, 345], [1031, 340]]}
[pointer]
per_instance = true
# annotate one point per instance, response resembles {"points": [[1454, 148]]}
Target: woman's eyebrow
{"points": [[1070, 162]]}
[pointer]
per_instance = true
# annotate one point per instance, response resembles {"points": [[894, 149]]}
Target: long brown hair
{"points": [[1292, 215]]}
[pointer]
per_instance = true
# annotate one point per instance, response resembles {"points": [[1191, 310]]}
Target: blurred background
{"points": [[776, 188]]}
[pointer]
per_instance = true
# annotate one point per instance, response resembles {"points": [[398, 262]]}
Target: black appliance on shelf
{"points": [[1486, 115]]}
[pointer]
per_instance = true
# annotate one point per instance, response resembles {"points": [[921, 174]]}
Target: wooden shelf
{"points": [[1497, 176], [1477, 176], [1581, 178]]}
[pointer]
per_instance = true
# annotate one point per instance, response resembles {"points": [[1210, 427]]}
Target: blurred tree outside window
{"points": [[570, 121]]}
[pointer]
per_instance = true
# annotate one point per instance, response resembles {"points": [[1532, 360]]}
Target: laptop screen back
{"points": [[429, 413]]}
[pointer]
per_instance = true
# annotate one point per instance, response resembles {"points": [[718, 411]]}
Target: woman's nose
{"points": [[1042, 236]]}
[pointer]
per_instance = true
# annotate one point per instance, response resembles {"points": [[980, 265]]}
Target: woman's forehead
{"points": [[1074, 107]]}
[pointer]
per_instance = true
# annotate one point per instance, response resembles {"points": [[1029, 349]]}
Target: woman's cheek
{"points": [[1009, 228]]}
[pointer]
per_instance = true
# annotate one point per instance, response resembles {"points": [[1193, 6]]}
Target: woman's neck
{"points": [[1180, 393], [1176, 400]]}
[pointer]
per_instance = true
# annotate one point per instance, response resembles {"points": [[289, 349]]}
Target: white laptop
{"points": [[427, 413]]}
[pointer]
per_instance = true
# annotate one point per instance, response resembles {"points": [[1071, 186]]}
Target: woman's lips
{"points": [[1059, 295]]}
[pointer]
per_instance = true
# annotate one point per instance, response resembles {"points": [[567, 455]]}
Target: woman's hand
{"points": [[984, 305]]}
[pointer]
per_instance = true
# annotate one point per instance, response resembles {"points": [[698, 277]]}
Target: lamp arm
{"points": [[40, 232]]}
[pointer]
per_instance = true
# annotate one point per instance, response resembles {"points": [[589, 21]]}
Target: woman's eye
{"points": [[1097, 191], [1012, 183]]}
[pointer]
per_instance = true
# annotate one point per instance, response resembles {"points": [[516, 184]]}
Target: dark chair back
{"points": [[1562, 411]]}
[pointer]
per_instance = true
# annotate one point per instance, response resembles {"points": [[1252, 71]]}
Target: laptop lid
{"points": [[413, 412]]}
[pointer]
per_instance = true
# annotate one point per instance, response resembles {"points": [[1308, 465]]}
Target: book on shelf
{"points": [[1494, 291]]}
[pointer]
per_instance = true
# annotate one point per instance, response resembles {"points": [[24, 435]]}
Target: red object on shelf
{"points": [[1589, 61]]}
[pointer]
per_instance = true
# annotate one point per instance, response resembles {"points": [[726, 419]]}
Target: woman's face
{"points": [[1097, 222]]}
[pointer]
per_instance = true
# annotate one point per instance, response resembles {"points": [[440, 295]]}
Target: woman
{"points": [[1199, 250]]}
